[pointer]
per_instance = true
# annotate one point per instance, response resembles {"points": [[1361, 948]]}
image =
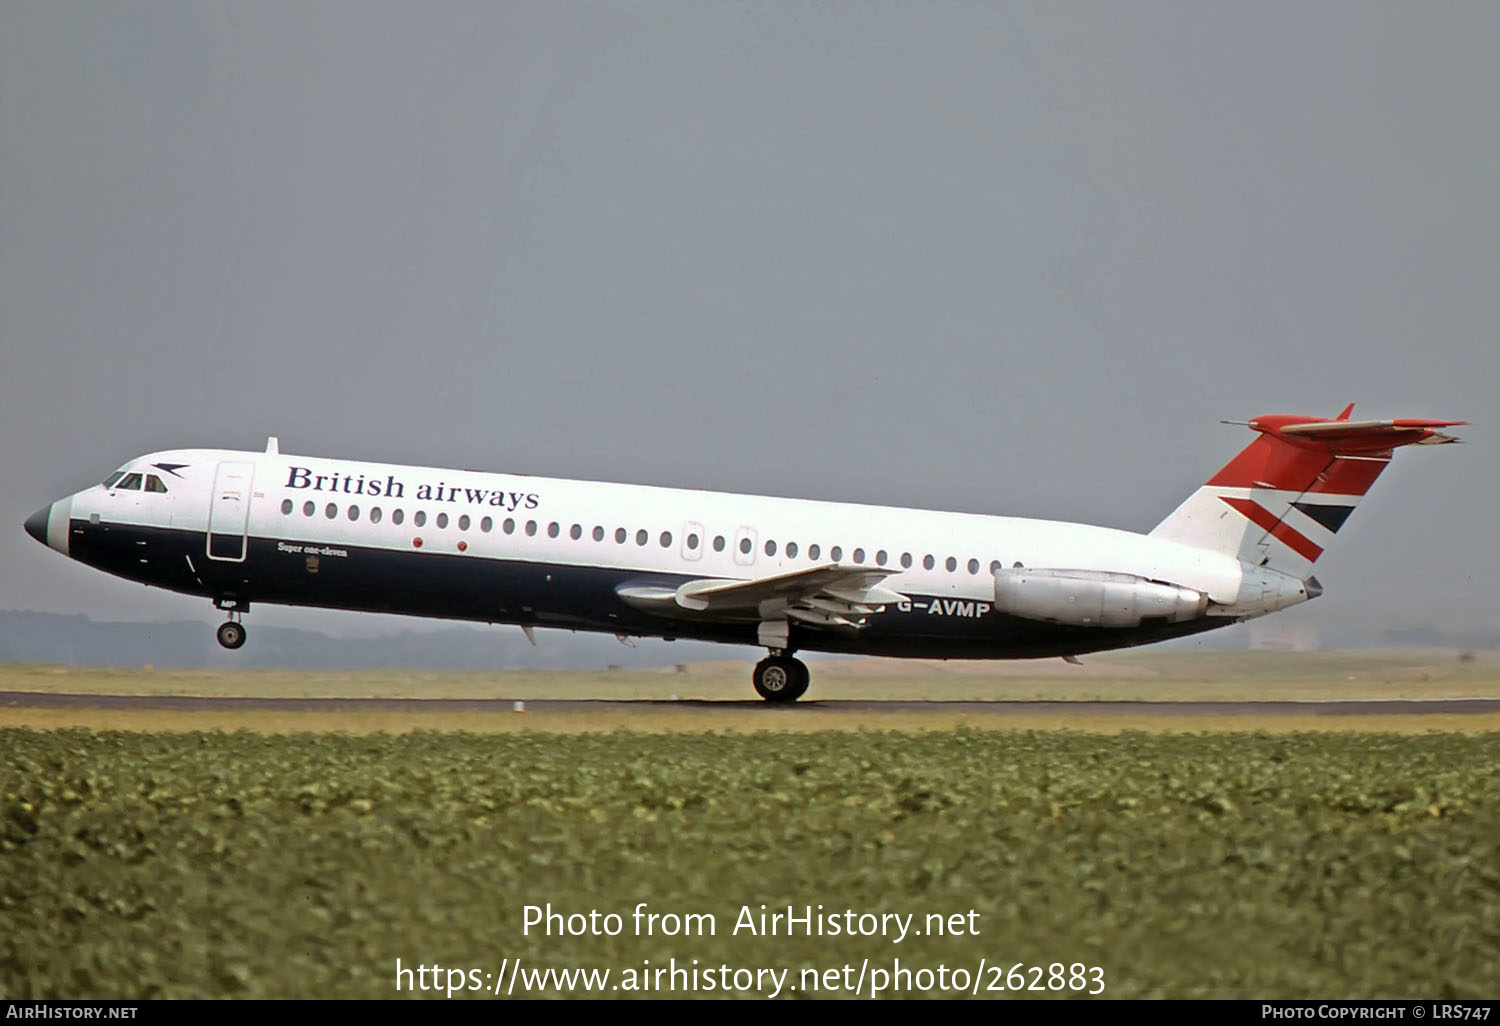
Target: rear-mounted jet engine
{"points": [[1091, 598]]}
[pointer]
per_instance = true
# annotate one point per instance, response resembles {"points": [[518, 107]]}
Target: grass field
{"points": [[717, 696], [1145, 675], [1230, 865]]}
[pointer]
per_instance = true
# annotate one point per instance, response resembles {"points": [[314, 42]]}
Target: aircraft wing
{"points": [[832, 595]]}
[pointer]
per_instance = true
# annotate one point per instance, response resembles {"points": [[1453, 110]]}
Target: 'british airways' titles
{"points": [[359, 484]]}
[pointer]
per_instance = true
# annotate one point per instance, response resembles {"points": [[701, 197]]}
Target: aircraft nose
{"points": [[36, 524]]}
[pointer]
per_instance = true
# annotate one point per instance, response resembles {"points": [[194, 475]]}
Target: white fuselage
{"points": [[265, 526]]}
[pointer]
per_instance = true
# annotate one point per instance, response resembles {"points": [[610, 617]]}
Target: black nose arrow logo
{"points": [[171, 468]]}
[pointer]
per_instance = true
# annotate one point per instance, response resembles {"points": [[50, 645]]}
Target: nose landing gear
{"points": [[231, 633], [780, 678]]}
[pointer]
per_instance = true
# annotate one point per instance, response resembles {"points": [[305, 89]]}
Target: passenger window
{"points": [[353, 512], [575, 532], [331, 510], [928, 562], [666, 539], [619, 536], [553, 530], [952, 564], [286, 507], [464, 522], [791, 550], [130, 483], [419, 518], [859, 555], [375, 515], [906, 560], [836, 553], [973, 566], [308, 509], [509, 527], [153, 484], [745, 546], [442, 520], [397, 516], [994, 566], [718, 543], [531, 528], [814, 551], [487, 525], [692, 541], [770, 548], [598, 533], [641, 536], [880, 558]]}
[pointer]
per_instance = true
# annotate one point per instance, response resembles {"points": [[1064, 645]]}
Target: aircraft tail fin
{"points": [[1282, 499]]}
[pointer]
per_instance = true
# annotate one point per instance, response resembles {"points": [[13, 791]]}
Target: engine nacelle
{"points": [[1089, 598]]}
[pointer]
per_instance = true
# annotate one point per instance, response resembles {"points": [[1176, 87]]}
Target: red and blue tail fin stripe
{"points": [[1297, 481]]}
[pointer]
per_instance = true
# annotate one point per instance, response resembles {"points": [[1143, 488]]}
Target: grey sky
{"points": [[1010, 258]]}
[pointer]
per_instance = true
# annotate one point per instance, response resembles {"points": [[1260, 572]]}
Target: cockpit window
{"points": [[153, 484], [130, 483], [109, 482]]}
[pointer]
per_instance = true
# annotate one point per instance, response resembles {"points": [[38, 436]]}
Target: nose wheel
{"points": [[231, 634], [780, 678]]}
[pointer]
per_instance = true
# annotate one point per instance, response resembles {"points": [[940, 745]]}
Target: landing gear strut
{"points": [[780, 678]]}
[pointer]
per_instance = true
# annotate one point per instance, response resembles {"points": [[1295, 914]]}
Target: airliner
{"points": [[783, 574]]}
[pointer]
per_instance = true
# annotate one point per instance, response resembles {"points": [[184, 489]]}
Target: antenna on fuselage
{"points": [[273, 446]]}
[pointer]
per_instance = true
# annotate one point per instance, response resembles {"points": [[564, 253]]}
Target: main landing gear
{"points": [[780, 678]]}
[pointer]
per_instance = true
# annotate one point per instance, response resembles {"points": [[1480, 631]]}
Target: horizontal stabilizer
{"points": [[1350, 437], [1342, 436]]}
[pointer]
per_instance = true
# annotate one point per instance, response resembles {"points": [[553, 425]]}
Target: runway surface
{"points": [[186, 703]]}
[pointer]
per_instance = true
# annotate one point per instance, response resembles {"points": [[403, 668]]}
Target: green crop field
{"points": [[1219, 865]]}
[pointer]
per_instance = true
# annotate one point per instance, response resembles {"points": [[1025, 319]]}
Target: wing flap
{"points": [[831, 595]]}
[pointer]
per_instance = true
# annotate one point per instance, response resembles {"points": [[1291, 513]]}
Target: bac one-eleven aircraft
{"points": [[785, 574]]}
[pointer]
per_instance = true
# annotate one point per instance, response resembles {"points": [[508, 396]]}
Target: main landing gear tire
{"points": [[231, 634], [781, 679]]}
